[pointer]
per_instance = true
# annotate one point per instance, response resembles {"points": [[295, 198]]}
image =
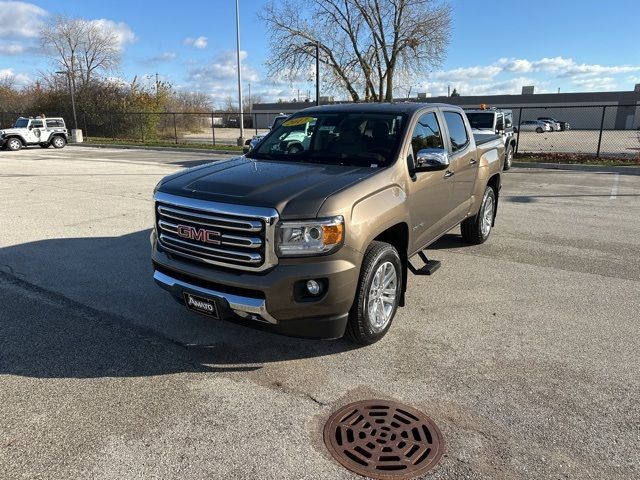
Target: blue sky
{"points": [[496, 46]]}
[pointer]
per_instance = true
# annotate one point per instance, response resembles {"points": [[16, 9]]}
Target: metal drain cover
{"points": [[383, 440]]}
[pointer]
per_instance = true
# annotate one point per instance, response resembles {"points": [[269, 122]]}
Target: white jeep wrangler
{"points": [[35, 131]]}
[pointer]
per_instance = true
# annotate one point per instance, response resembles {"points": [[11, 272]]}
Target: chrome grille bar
{"points": [[232, 236]]}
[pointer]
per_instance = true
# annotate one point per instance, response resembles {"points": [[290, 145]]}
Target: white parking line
{"points": [[614, 187]]}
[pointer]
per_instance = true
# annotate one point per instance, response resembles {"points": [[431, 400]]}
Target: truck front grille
{"points": [[219, 234]]}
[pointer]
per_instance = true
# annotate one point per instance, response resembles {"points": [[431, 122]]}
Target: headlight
{"points": [[309, 237]]}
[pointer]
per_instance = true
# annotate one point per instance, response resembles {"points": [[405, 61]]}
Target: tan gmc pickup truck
{"points": [[314, 232]]}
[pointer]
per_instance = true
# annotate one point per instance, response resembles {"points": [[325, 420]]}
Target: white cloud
{"points": [[596, 84], [200, 42], [162, 57], [122, 31], [11, 49], [479, 73], [562, 67], [218, 77], [20, 79], [20, 19]]}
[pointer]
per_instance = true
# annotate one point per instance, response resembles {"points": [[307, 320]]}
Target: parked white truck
{"points": [[492, 121], [42, 131]]}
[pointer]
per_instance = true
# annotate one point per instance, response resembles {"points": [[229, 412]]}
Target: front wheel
{"points": [[476, 229], [539, 130], [58, 142], [379, 290], [14, 144]]}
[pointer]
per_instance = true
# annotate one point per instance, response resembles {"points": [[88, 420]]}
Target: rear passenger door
{"points": [[463, 162]]}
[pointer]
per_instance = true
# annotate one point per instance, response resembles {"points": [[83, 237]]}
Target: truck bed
{"points": [[482, 138]]}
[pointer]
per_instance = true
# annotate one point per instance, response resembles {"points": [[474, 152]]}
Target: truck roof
{"points": [[391, 108]]}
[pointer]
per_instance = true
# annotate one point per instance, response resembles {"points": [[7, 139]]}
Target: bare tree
{"points": [[80, 47], [366, 45]]}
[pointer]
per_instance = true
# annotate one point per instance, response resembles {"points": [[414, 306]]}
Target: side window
{"points": [[426, 134], [457, 131], [508, 120], [36, 123], [500, 122]]}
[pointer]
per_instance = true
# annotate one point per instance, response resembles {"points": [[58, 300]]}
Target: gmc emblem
{"points": [[199, 234]]}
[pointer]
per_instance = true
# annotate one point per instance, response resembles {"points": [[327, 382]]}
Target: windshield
{"points": [[359, 139], [21, 123], [481, 120]]}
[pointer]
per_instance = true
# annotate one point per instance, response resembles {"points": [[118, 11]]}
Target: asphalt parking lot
{"points": [[523, 350]]}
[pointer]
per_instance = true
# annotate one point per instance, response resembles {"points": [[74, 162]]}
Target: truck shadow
{"points": [[88, 307]]}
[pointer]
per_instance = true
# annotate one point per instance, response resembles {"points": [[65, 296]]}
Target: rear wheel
{"points": [[476, 229], [508, 157], [58, 142], [539, 130], [14, 144], [379, 290]]}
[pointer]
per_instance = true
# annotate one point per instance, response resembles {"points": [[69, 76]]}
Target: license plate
{"points": [[205, 306]]}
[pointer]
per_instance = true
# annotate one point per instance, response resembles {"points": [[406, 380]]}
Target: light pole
{"points": [[317, 73], [241, 139], [73, 99]]}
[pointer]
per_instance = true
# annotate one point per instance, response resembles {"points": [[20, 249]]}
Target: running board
{"points": [[429, 267]]}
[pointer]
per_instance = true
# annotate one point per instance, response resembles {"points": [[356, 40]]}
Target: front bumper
{"points": [[268, 300]]}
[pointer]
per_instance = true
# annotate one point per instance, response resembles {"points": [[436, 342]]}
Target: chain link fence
{"points": [[214, 128], [589, 130]]}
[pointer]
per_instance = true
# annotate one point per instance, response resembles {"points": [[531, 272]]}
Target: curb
{"points": [[627, 170], [161, 149]]}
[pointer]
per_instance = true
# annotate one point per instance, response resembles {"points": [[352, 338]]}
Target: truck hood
{"points": [[11, 131], [295, 190]]}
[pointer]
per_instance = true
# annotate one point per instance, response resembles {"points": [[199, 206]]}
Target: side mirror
{"points": [[431, 159]]}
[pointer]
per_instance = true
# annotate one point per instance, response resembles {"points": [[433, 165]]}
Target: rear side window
{"points": [[426, 134], [55, 123], [457, 131], [36, 123]]}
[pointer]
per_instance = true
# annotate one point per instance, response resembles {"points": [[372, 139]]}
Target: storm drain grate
{"points": [[383, 440]]}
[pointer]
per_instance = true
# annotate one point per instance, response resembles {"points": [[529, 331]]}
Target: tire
{"points": [[508, 158], [58, 142], [293, 149], [476, 230], [44, 145], [539, 130], [14, 144], [380, 260]]}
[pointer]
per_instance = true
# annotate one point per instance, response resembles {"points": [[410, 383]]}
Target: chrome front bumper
{"points": [[246, 307]]}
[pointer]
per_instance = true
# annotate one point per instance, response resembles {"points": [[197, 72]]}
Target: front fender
{"points": [[374, 214]]}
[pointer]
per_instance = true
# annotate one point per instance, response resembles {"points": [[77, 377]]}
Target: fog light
{"points": [[313, 287]]}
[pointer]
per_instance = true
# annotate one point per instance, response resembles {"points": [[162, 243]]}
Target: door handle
{"points": [[472, 161], [448, 174]]}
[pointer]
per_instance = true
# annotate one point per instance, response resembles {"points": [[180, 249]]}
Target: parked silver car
{"points": [[535, 126]]}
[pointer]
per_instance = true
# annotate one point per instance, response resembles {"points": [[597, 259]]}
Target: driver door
{"points": [[35, 131], [430, 193]]}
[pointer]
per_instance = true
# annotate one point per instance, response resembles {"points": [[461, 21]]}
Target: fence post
{"points": [[255, 122], [213, 130], [604, 109], [141, 127], [518, 133], [175, 129], [84, 121], [113, 127]]}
